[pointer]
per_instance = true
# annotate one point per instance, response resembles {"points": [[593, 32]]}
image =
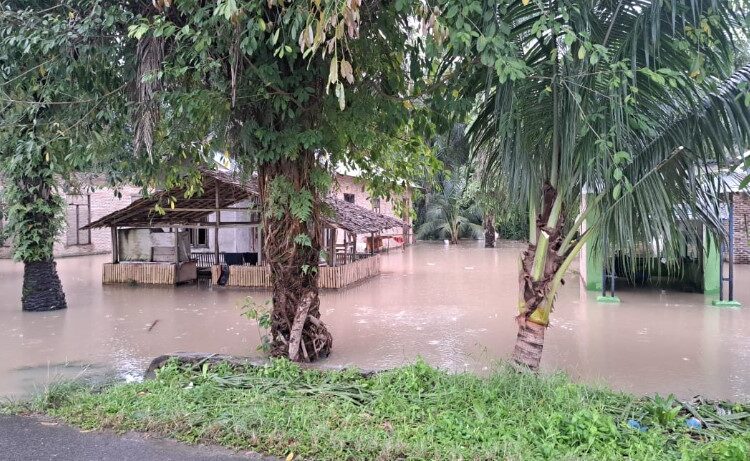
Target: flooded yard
{"points": [[453, 306]]}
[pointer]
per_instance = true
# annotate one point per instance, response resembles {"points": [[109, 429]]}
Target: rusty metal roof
{"points": [[232, 189], [357, 219]]}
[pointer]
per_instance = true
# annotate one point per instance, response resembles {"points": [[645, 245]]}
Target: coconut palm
{"points": [[620, 103], [451, 213]]}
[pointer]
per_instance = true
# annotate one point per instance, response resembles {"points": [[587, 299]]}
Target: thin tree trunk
{"points": [[489, 231], [529, 345], [42, 290], [539, 263], [296, 334]]}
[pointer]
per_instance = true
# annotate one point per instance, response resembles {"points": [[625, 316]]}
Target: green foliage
{"points": [[260, 81], [35, 209], [261, 314], [451, 212], [626, 102], [283, 198], [51, 105], [265, 82], [513, 225], [663, 411], [414, 412]]}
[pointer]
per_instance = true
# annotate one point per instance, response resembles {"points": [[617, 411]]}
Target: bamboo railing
{"points": [[149, 273], [329, 277], [152, 274]]}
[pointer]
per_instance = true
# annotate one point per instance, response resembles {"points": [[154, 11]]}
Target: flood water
{"points": [[453, 306]]}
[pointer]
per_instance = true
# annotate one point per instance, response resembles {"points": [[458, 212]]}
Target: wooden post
{"points": [[353, 237], [332, 235], [405, 217], [216, 224], [177, 245], [260, 244], [372, 243], [115, 246]]}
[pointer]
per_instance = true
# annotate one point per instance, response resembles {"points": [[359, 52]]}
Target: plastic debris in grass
{"points": [[637, 425]]}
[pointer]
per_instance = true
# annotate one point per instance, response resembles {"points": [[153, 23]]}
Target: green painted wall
{"points": [[594, 268], [711, 264]]}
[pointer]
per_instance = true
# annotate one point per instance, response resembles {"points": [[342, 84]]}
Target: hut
{"points": [[170, 236]]}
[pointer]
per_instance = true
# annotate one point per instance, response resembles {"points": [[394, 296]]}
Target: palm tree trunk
{"points": [[529, 345], [296, 329], [42, 290], [489, 230], [539, 264]]}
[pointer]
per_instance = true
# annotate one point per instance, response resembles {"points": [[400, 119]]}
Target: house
{"points": [[350, 186], [740, 232], [87, 199], [171, 245]]}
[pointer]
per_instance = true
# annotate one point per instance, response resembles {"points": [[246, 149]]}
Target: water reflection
{"points": [[454, 306]]}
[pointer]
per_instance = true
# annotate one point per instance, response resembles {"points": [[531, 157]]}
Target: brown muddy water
{"points": [[453, 306]]}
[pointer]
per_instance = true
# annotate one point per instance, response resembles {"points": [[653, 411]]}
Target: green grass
{"points": [[415, 412]]}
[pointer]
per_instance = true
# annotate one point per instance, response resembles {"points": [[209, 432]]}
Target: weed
{"points": [[261, 314], [414, 412]]}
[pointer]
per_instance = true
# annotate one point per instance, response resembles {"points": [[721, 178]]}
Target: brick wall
{"points": [[741, 228], [344, 184], [102, 202]]}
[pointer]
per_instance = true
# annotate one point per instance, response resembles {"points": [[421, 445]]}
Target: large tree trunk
{"points": [[489, 231], [537, 272], [42, 290], [296, 329]]}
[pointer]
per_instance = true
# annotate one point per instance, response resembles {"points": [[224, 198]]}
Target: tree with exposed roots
{"points": [[621, 103], [288, 89]]}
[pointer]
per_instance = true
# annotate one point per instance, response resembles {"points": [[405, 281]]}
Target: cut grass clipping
{"points": [[415, 412]]}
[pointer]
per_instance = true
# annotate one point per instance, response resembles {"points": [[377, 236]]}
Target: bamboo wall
{"points": [[149, 273], [342, 276], [244, 276], [330, 277], [159, 274]]}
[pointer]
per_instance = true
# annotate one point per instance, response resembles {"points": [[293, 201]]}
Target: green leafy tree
{"points": [[623, 100], [50, 105], [450, 211], [287, 88]]}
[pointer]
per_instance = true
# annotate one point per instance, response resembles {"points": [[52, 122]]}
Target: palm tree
{"points": [[451, 213], [620, 102], [489, 230]]}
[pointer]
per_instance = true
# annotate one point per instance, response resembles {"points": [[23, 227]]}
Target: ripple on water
{"points": [[452, 305]]}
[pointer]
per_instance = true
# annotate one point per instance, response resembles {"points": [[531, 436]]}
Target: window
{"points": [[349, 198], [199, 237], [78, 215], [375, 204]]}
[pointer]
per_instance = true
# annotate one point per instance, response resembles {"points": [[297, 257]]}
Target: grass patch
{"points": [[415, 412]]}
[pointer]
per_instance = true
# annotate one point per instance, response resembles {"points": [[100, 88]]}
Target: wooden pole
{"points": [[218, 219], [260, 245], [115, 246], [177, 245], [332, 235]]}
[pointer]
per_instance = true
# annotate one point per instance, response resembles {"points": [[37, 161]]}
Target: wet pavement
{"points": [[453, 306], [57, 441]]}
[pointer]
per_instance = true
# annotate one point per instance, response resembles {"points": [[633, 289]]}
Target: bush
{"points": [[514, 226]]}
